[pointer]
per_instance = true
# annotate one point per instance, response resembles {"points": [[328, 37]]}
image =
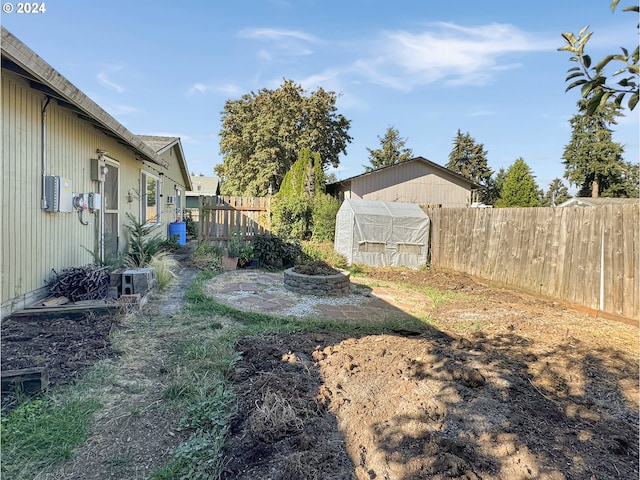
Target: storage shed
{"points": [[380, 234]]}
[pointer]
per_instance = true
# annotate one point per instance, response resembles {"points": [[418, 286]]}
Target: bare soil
{"points": [[502, 385], [66, 346]]}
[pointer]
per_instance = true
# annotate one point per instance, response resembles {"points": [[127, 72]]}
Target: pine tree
{"points": [[392, 151], [519, 188], [469, 159], [557, 193], [593, 161], [494, 187]]}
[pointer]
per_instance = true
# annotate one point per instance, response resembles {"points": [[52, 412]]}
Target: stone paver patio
{"points": [[264, 292]]}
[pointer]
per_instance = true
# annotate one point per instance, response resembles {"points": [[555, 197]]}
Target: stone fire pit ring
{"points": [[337, 285]]}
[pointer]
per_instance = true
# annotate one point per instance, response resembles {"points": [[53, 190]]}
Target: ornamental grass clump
{"points": [[164, 266]]}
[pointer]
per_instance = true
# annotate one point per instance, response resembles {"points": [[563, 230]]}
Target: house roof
{"points": [[415, 159], [162, 144], [21, 60], [596, 202], [204, 186], [159, 144]]}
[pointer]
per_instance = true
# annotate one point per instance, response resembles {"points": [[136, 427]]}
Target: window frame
{"points": [[144, 206]]}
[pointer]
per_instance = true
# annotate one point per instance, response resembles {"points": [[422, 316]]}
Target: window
{"points": [[411, 248], [150, 199], [371, 247]]}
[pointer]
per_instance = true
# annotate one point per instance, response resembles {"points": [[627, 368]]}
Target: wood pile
{"points": [[89, 282]]}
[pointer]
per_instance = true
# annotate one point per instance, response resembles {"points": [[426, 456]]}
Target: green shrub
{"points": [[324, 251], [292, 217], [323, 217], [191, 226], [144, 243], [207, 257], [273, 251], [240, 249]]}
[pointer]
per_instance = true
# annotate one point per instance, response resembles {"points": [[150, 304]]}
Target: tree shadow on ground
{"points": [[500, 410]]}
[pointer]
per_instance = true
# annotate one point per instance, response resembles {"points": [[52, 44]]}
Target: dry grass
{"points": [[274, 419], [301, 466]]}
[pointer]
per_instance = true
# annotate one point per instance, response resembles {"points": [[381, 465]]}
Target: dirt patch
{"points": [[507, 386], [66, 346]]}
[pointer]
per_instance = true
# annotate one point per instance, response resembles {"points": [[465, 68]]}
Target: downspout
{"points": [[43, 144]]}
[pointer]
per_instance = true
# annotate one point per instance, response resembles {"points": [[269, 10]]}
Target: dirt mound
{"points": [[425, 407]]}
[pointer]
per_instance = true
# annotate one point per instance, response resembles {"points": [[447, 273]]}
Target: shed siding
{"points": [[414, 182], [34, 241]]}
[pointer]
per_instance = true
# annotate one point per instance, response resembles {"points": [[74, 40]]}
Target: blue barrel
{"points": [[179, 229]]}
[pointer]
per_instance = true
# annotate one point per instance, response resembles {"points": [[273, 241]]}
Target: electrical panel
{"points": [[98, 170], [95, 201], [58, 194]]}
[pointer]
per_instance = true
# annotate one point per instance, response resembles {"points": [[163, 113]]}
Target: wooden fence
{"points": [[222, 217], [586, 256]]}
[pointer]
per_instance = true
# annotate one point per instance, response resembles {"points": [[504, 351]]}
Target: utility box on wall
{"points": [[58, 194]]}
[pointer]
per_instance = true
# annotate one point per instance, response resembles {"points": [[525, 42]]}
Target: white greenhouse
{"points": [[381, 234]]}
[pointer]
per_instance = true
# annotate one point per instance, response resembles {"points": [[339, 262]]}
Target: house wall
{"points": [[34, 241], [173, 178], [414, 182]]}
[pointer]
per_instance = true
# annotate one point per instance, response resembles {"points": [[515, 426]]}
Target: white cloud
{"points": [[274, 34], [446, 52], [104, 80], [280, 43], [227, 89]]}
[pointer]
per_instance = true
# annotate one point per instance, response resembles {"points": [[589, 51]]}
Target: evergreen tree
{"points": [[519, 188], [469, 159], [557, 193], [306, 176], [494, 187], [593, 161], [392, 151]]}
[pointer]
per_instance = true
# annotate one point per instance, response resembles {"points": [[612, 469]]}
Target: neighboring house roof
{"points": [[204, 186], [19, 59], [445, 170], [599, 201], [162, 144]]}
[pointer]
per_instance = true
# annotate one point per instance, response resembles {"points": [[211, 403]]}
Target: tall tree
{"points": [[557, 193], [262, 134], [469, 159], [519, 188], [392, 151], [494, 187], [596, 85], [593, 161]]}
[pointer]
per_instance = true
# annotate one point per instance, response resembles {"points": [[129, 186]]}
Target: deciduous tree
{"points": [[596, 84], [262, 134], [392, 151]]}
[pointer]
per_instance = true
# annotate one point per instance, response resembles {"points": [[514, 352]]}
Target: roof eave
{"points": [[44, 74]]}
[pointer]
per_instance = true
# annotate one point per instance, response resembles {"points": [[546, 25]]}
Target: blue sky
{"points": [[489, 68]]}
